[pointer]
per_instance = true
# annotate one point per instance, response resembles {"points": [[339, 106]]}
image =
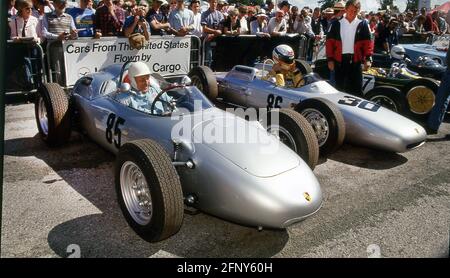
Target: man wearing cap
{"points": [[259, 26], [326, 20], [269, 8], [285, 6], [278, 25], [109, 20], [339, 11], [348, 45]]}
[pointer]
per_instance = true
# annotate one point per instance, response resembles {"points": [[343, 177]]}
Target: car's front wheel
{"points": [[327, 122], [52, 114], [149, 190], [294, 131]]}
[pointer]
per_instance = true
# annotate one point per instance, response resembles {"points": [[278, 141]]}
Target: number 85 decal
{"points": [[362, 104], [110, 124]]}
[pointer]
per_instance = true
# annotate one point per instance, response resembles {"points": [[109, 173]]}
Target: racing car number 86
{"points": [[363, 104], [110, 124]]}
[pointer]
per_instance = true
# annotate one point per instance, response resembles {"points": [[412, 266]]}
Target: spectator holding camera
{"points": [[24, 24], [41, 7], [59, 25], [136, 22], [181, 19], [109, 20]]}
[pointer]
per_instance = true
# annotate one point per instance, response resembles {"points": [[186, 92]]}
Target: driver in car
{"points": [[285, 70], [144, 89]]}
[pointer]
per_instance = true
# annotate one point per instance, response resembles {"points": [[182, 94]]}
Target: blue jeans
{"points": [[442, 100], [332, 80]]}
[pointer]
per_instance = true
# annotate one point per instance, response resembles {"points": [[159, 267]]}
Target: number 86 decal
{"points": [[362, 104]]}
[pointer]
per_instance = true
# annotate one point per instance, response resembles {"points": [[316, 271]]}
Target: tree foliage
{"points": [[326, 3], [412, 4]]}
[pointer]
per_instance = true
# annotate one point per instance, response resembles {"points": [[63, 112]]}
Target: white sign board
{"points": [[163, 55]]}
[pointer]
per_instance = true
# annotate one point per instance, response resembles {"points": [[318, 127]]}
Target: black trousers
{"points": [[349, 76]]}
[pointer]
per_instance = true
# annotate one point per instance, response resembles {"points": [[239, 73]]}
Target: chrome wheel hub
{"points": [[283, 135], [42, 116], [136, 193], [319, 123]]}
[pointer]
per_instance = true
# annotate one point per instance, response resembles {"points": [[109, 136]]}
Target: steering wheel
{"points": [[158, 98]]}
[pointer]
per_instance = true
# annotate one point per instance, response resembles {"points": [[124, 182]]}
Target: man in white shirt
{"points": [[277, 24], [195, 8]]}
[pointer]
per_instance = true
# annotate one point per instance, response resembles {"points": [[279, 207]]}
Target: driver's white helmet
{"points": [[137, 69], [283, 54], [398, 52]]}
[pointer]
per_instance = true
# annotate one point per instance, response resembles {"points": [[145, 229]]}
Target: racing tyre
{"points": [[327, 122], [203, 78], [294, 131], [390, 98], [148, 190], [420, 95], [52, 114], [303, 66]]}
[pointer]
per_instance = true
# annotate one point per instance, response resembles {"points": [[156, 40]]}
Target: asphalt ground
{"points": [[375, 204]]}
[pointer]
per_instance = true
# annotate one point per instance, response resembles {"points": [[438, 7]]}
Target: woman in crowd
{"points": [[231, 25]]}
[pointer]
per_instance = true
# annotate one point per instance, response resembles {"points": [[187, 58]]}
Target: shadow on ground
{"points": [[87, 168], [368, 158]]}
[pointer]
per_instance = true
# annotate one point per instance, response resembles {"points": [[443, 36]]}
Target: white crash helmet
{"points": [[137, 69], [283, 54], [398, 52]]}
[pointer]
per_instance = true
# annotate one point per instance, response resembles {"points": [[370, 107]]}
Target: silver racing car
{"points": [[158, 171], [334, 115]]}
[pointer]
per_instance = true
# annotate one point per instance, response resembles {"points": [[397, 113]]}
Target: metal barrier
{"points": [[17, 55], [196, 52], [55, 58], [228, 51]]}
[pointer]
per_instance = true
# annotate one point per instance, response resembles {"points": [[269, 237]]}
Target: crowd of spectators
{"points": [[45, 20]]}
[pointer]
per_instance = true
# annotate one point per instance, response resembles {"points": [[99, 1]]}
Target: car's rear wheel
{"points": [[303, 66], [420, 95], [52, 114], [149, 190], [390, 98], [327, 122], [294, 131], [203, 78]]}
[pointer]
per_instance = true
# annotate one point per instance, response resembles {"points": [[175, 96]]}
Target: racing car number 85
{"points": [[363, 104], [110, 124]]}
